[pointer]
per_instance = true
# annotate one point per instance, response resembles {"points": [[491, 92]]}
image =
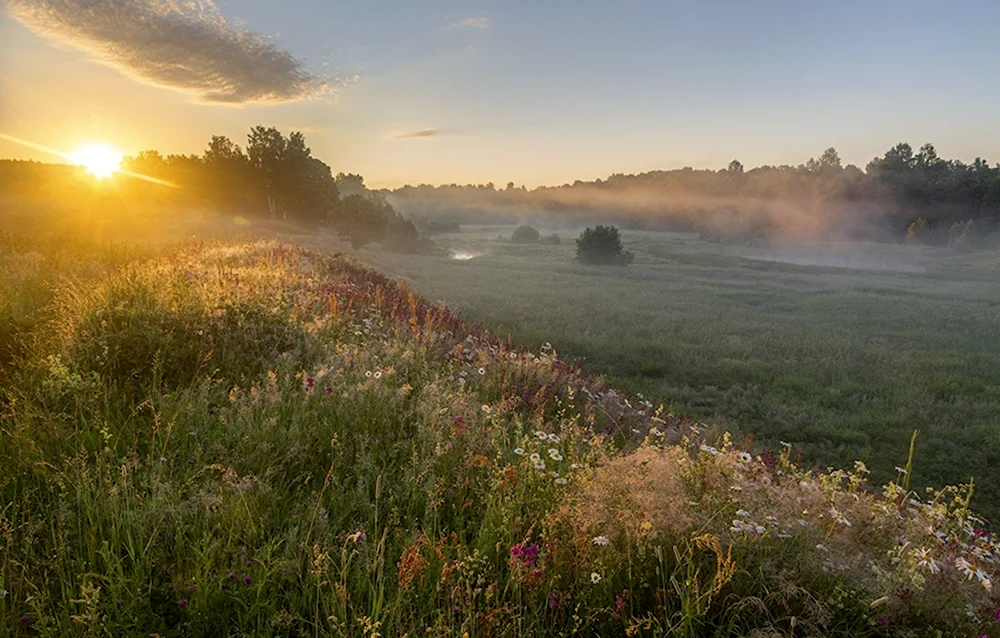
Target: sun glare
{"points": [[100, 160]]}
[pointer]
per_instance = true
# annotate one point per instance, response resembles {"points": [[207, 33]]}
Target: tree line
{"points": [[273, 176], [821, 197], [276, 176]]}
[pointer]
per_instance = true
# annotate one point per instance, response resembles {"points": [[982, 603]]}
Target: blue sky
{"points": [[532, 92]]}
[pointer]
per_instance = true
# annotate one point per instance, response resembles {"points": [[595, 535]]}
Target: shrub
{"points": [[602, 245], [525, 235], [553, 239]]}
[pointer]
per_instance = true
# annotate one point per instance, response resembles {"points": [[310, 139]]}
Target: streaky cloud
{"points": [[422, 133], [185, 45]]}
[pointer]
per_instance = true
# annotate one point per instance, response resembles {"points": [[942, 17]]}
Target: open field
{"points": [[255, 439], [842, 362]]}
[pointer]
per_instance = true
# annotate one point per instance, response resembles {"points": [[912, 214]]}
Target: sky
{"points": [[530, 91]]}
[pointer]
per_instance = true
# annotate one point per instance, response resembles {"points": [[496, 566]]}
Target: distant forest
{"points": [[273, 176], [917, 196], [902, 195]]}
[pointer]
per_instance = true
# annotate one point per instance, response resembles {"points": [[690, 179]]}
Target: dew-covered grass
{"points": [[844, 362], [259, 440]]}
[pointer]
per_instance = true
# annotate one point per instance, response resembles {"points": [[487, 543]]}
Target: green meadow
{"points": [[253, 438], [842, 350]]}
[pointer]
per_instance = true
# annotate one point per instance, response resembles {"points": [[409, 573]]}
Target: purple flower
{"points": [[458, 421], [247, 579], [524, 553], [191, 588], [26, 619], [231, 575], [183, 602], [329, 390], [248, 563], [882, 621], [996, 614]]}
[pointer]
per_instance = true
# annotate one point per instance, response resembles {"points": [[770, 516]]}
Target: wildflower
{"points": [[595, 577], [183, 602], [555, 455], [329, 390], [743, 513], [901, 470], [522, 554], [357, 537], [247, 579], [378, 374], [368, 374], [561, 481], [191, 588], [601, 540], [519, 451], [709, 449], [231, 575], [821, 547], [541, 436], [557, 600], [553, 438], [837, 516], [482, 371], [536, 460], [925, 561], [784, 535]]}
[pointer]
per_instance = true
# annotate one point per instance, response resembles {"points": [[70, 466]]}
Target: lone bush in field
{"points": [[602, 245], [525, 235]]}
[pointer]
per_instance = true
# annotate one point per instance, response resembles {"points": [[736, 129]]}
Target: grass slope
{"points": [[842, 362], [259, 440]]}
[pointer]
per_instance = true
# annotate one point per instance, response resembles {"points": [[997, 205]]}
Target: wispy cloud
{"points": [[185, 45], [422, 133], [470, 23]]}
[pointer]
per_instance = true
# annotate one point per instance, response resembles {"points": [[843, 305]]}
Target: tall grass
{"points": [[843, 362], [259, 440]]}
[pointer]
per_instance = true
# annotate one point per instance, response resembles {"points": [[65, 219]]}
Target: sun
{"points": [[99, 159]]}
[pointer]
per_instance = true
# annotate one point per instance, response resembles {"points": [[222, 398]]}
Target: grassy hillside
{"points": [[777, 344], [255, 439]]}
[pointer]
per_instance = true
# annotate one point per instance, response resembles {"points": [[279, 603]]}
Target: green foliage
{"points": [[361, 219], [602, 245], [842, 361], [525, 235], [411, 474]]}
